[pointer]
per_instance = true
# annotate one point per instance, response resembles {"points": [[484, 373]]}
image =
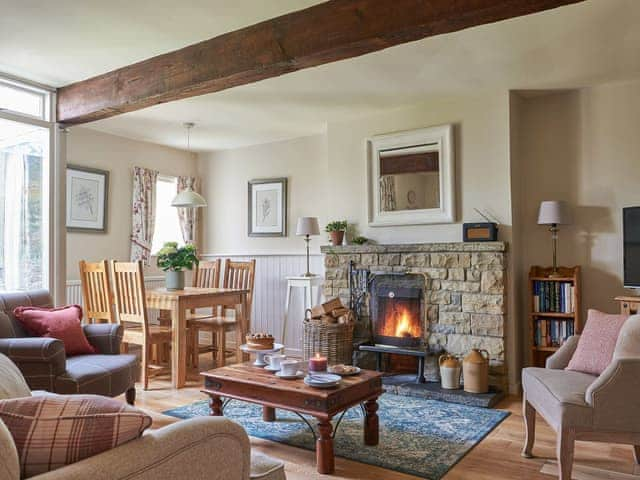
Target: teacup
{"points": [[275, 360], [289, 367]]}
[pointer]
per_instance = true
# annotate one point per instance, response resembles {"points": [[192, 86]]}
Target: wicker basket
{"points": [[331, 340]]}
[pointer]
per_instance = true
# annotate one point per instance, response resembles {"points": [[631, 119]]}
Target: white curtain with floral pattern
{"points": [[387, 193], [188, 216], [143, 213]]}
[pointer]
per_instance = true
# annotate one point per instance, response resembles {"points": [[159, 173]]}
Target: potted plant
{"points": [[336, 231], [173, 260]]}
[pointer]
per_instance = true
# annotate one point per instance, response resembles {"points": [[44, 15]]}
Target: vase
{"points": [[336, 237], [174, 280]]}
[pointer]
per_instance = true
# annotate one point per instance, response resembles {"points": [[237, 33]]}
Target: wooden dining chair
{"points": [[131, 306], [206, 275], [96, 292], [239, 275]]}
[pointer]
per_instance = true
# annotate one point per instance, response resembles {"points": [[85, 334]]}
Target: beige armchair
{"points": [[580, 406]]}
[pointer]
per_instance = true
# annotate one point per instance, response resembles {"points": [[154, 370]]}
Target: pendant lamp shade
{"points": [[189, 199]]}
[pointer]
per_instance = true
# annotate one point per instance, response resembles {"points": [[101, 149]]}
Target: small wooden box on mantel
{"points": [[554, 310]]}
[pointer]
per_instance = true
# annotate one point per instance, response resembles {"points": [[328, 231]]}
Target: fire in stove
{"points": [[401, 323]]}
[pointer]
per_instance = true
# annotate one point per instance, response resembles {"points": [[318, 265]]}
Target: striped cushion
{"points": [[56, 430]]}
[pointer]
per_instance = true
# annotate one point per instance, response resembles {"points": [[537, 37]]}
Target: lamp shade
{"points": [[189, 199], [307, 226], [554, 212]]}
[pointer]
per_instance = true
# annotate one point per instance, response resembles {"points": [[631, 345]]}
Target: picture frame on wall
{"points": [[267, 213], [87, 199]]}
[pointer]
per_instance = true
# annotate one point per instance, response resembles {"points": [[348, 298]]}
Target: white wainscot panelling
{"points": [[270, 292]]}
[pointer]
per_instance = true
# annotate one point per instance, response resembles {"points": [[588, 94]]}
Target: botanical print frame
{"points": [[267, 213], [87, 199], [436, 140]]}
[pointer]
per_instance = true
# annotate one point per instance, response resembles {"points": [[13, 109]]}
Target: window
{"points": [[167, 226], [24, 100], [24, 206]]}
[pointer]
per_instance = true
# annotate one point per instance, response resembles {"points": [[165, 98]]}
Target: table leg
{"points": [[179, 347], [268, 414], [215, 406], [324, 447], [371, 424], [287, 300]]}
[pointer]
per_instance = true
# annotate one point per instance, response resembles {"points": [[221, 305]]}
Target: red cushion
{"points": [[62, 323], [597, 342]]}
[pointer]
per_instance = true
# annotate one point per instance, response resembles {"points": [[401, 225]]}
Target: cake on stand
{"points": [[260, 353]]}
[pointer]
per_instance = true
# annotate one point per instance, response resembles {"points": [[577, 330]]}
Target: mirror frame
{"points": [[442, 136]]}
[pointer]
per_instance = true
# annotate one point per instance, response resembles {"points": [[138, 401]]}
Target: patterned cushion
{"points": [[12, 383], [597, 342], [56, 430]]}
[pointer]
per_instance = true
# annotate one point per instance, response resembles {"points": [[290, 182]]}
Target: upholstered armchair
{"points": [[45, 366], [580, 406]]}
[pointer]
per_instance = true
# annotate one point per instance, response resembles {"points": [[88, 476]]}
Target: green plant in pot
{"points": [[336, 231], [173, 260]]}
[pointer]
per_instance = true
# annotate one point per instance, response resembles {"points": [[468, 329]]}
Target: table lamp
{"points": [[308, 226], [554, 213]]}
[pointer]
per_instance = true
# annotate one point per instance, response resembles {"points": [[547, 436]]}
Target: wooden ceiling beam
{"points": [[324, 33]]}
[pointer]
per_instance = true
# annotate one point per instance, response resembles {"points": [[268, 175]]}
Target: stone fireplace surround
{"points": [[465, 292]]}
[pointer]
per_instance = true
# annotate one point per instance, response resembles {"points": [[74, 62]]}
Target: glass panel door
{"points": [[24, 206]]}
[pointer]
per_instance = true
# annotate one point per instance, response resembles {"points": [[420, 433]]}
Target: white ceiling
{"points": [[578, 45]]}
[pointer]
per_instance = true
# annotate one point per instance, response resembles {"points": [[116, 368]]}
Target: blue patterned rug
{"points": [[420, 437]]}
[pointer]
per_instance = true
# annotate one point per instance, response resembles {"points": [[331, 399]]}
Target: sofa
{"points": [[580, 406], [44, 364], [205, 448]]}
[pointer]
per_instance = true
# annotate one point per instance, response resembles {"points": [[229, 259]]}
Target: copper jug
{"points": [[475, 367]]}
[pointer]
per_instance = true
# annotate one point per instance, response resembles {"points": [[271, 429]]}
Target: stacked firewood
{"points": [[332, 311]]}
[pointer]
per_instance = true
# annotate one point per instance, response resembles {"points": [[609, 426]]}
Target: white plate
{"points": [[355, 372], [323, 378], [320, 385], [299, 374], [272, 369]]}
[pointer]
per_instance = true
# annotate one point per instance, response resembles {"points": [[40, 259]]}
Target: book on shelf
{"points": [[553, 297], [552, 332]]}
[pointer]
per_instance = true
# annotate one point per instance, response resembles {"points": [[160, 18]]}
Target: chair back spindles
{"points": [[207, 274], [96, 292], [241, 275], [128, 286]]}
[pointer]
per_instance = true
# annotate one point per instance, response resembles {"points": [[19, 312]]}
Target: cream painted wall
{"points": [[582, 146], [482, 164], [118, 155], [225, 175]]}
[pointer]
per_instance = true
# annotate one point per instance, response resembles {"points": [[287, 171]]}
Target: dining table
{"points": [[178, 303]]}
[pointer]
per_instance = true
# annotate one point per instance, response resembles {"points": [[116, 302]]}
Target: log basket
{"points": [[331, 340]]}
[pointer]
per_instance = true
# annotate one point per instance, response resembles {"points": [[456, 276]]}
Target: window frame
{"points": [[53, 239]]}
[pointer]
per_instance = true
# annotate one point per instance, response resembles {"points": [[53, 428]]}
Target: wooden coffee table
{"points": [[245, 382]]}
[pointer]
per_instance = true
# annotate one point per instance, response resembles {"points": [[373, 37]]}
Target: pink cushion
{"points": [[597, 342], [62, 323]]}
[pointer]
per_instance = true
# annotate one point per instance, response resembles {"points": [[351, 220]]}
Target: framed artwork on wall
{"points": [[411, 177], [87, 199], [267, 207]]}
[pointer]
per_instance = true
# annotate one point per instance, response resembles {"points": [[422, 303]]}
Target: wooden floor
{"points": [[497, 457]]}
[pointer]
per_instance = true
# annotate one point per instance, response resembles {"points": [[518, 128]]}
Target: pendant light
{"points": [[188, 198]]}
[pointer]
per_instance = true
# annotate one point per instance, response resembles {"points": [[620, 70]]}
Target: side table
{"points": [[307, 284]]}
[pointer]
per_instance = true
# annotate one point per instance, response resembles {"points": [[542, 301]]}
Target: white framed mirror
{"points": [[411, 177]]}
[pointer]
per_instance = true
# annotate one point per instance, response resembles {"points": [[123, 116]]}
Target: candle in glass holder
{"points": [[318, 363]]}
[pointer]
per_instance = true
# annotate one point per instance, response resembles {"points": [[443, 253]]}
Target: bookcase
{"points": [[554, 310]]}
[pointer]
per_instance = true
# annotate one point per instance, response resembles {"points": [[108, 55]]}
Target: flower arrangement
{"points": [[175, 259]]}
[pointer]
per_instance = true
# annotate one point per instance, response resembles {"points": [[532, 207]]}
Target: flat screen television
{"points": [[631, 235]]}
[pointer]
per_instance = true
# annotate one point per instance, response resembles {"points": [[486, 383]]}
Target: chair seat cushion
{"points": [[559, 395], [108, 375], [56, 430], [266, 468]]}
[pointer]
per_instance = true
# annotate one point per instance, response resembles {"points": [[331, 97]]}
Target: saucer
{"points": [[299, 374], [272, 369]]}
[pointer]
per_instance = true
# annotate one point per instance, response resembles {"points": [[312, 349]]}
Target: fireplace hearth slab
{"points": [[406, 385]]}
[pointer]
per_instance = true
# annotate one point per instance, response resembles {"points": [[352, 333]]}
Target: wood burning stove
{"points": [[396, 306]]}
